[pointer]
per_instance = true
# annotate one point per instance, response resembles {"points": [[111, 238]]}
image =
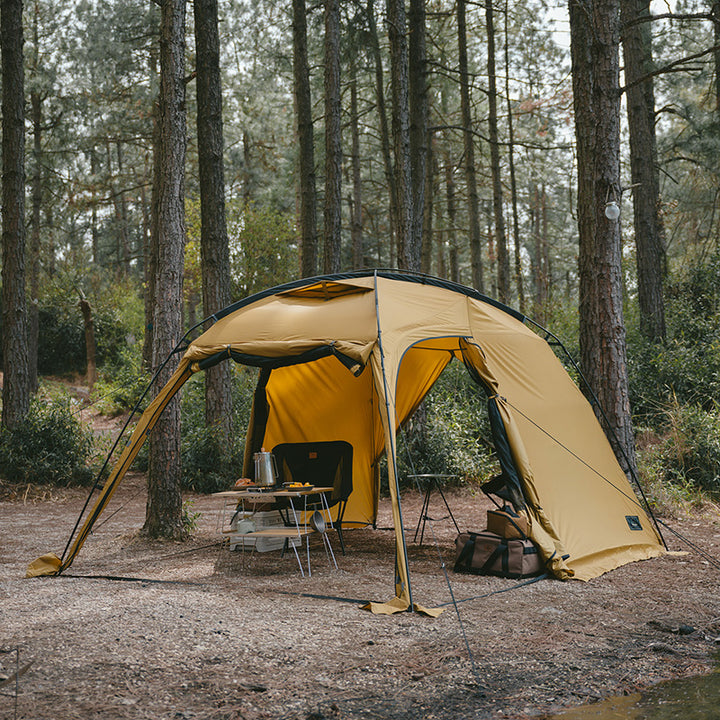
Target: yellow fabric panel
{"points": [[48, 564], [412, 313], [579, 485], [419, 370], [323, 400], [282, 326]]}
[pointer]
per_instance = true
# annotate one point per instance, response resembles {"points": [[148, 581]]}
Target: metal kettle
{"points": [[266, 473]]}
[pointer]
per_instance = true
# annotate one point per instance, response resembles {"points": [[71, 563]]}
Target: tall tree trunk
{"points": [[519, 281], [90, 346], [214, 247], [121, 245], [715, 10], [151, 251], [356, 224], [650, 250], [16, 382], [164, 506], [503, 260], [247, 178], [94, 233], [469, 144], [545, 247], [306, 143], [426, 246], [383, 123], [418, 103], [397, 34], [333, 140], [451, 219], [595, 42], [36, 105], [122, 202]]}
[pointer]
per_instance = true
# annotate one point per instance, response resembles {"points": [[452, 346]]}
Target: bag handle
{"points": [[464, 559], [510, 516]]}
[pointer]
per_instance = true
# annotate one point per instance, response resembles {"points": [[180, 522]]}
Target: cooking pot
{"points": [[265, 469]]}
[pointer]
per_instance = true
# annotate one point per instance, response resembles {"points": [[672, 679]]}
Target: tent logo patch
{"points": [[633, 522]]}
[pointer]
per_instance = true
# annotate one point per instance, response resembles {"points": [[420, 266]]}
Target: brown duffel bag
{"points": [[507, 523], [485, 553]]}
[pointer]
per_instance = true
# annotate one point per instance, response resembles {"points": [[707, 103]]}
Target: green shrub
{"points": [[686, 368], [120, 385], [50, 447], [454, 437], [690, 451], [208, 465]]}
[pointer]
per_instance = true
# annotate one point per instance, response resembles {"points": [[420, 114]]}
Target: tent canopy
{"points": [[350, 357]]}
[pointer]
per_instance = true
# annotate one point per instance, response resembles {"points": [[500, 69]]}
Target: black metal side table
{"points": [[432, 481]]}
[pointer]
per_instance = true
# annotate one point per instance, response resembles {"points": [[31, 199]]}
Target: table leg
{"points": [[423, 512]]}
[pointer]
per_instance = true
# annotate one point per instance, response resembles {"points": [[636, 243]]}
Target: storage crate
{"points": [[261, 520]]}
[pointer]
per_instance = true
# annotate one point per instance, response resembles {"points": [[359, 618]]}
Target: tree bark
{"points": [[164, 505], [595, 40], [151, 251], [451, 219], [16, 383], [649, 242], [503, 259], [469, 144], [418, 103], [90, 346], [214, 246], [397, 34], [383, 123], [519, 280], [715, 10], [426, 245], [333, 140], [356, 224], [306, 143], [36, 105]]}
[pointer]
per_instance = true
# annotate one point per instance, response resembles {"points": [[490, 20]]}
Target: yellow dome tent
{"points": [[350, 356]]}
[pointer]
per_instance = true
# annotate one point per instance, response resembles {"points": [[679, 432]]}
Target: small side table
{"points": [[432, 480]]}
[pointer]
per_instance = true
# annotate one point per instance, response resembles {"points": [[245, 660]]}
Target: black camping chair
{"points": [[326, 463], [506, 490]]}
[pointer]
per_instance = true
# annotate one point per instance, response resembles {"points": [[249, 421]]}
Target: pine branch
{"points": [[669, 67], [668, 16]]}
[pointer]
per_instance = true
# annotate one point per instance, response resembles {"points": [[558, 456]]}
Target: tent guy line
{"points": [[629, 496]]}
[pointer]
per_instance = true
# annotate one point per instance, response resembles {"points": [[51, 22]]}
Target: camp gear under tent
{"points": [[350, 356]]}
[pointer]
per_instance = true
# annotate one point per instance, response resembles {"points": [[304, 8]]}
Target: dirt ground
{"points": [[204, 633]]}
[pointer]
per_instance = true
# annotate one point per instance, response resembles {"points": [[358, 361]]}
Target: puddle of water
{"points": [[696, 698]]}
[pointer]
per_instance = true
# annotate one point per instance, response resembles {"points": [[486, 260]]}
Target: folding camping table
{"points": [[293, 531]]}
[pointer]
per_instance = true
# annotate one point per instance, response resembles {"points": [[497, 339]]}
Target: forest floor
{"points": [[199, 631]]}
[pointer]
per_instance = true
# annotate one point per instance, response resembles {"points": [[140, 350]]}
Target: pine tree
{"points": [[16, 383], [595, 44]]}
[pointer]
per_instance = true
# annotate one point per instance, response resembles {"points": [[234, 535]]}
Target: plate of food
{"points": [[244, 483]]}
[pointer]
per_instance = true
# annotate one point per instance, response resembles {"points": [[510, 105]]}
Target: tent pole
{"points": [[393, 453]]}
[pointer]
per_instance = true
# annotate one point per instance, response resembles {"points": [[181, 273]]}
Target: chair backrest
{"points": [[323, 464]]}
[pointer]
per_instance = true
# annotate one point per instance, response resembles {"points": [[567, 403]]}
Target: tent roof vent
{"points": [[326, 290]]}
